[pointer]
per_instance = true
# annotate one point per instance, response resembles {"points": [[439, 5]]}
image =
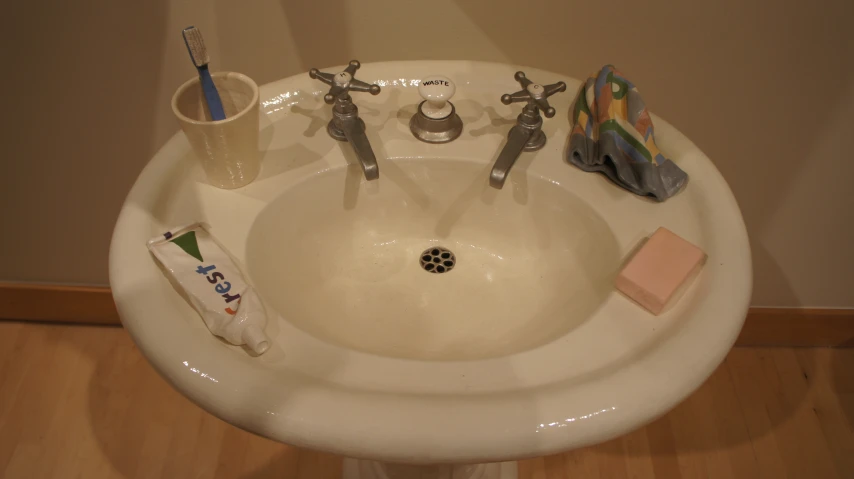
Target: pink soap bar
{"points": [[658, 269]]}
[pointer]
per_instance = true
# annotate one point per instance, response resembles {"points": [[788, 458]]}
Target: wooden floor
{"points": [[81, 402]]}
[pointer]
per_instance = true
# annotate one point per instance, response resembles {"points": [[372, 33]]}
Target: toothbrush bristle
{"points": [[196, 46]]}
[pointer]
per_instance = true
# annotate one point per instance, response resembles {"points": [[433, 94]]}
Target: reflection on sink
{"points": [[525, 273]]}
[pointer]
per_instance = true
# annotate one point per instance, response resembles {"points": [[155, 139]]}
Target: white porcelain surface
{"points": [[522, 349]]}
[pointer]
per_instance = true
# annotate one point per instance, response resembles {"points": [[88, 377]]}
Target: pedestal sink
{"points": [[520, 348]]}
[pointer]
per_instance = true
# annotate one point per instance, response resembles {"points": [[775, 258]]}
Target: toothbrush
{"points": [[200, 57]]}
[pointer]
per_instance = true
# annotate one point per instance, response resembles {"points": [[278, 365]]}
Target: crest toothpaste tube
{"points": [[213, 285]]}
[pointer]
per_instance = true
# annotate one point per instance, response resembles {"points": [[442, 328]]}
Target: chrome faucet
{"points": [[345, 124], [527, 133]]}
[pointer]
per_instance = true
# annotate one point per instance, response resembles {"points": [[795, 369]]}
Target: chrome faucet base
{"points": [[535, 142], [337, 132], [436, 130]]}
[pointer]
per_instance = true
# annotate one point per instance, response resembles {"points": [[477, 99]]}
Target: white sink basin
{"points": [[522, 349], [525, 274]]}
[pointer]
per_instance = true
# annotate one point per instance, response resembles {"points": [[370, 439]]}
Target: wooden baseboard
{"points": [[792, 327], [55, 303], [798, 327]]}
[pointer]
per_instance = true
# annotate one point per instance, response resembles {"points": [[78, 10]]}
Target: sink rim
{"points": [[460, 428]]}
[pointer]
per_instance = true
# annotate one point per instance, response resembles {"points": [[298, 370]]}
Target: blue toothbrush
{"points": [[200, 57]]}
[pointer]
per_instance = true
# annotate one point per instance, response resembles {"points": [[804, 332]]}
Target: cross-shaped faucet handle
{"points": [[343, 82], [535, 94]]}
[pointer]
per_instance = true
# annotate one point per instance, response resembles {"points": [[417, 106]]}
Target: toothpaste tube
{"points": [[213, 284]]}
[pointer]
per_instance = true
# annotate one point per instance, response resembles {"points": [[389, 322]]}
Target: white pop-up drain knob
{"points": [[436, 90]]}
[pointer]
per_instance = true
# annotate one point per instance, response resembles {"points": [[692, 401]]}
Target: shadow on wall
{"points": [[256, 38], [89, 85], [765, 93], [755, 86], [772, 276], [81, 103], [321, 32], [749, 97]]}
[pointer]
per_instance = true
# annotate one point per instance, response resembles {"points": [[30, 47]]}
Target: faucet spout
{"points": [[345, 124], [527, 134], [516, 140], [354, 130]]}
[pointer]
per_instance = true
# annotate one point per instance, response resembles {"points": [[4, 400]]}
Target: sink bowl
{"points": [[523, 273], [521, 347]]}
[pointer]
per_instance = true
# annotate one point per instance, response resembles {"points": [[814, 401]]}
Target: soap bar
{"points": [[658, 269]]}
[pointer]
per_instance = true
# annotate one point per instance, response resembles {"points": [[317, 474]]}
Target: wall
{"points": [[766, 91]]}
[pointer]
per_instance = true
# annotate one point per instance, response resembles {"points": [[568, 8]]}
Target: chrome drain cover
{"points": [[438, 260]]}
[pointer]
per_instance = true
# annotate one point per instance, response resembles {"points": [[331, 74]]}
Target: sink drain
{"points": [[438, 260]]}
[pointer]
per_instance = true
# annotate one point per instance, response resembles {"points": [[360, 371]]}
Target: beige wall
{"points": [[766, 89]]}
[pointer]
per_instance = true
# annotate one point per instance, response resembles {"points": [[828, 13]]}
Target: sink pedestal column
{"points": [[361, 469]]}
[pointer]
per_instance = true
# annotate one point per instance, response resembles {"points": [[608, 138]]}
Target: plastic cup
{"points": [[227, 149]]}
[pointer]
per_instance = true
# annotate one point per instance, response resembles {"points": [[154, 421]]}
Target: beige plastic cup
{"points": [[228, 149]]}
